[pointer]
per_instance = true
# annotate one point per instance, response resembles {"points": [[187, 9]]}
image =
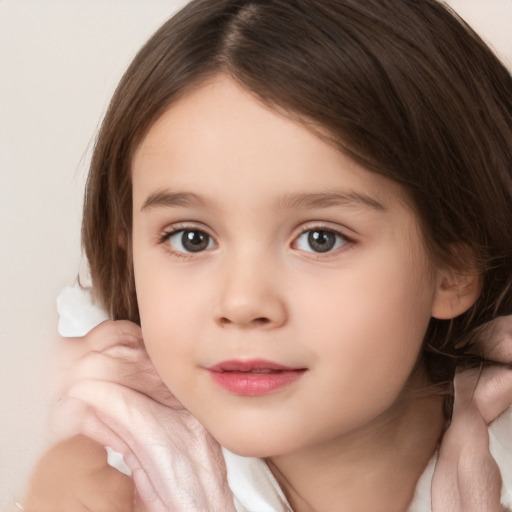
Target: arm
{"points": [[74, 476]]}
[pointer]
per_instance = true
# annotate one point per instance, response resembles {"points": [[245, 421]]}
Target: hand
{"points": [[73, 476], [116, 398], [466, 478]]}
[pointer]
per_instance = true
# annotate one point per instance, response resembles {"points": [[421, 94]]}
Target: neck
{"points": [[375, 468]]}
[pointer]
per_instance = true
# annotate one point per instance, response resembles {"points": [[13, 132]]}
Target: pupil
{"points": [[195, 241], [321, 241]]}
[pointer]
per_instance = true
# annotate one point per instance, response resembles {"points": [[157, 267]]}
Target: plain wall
{"points": [[59, 63]]}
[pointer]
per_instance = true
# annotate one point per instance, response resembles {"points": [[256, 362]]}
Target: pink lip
{"points": [[254, 377]]}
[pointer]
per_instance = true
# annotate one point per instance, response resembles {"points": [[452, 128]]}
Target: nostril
{"points": [[261, 321], [255, 322]]}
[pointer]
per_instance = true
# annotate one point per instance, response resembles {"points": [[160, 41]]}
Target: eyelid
{"points": [[343, 231], [183, 226], [346, 233], [165, 235]]}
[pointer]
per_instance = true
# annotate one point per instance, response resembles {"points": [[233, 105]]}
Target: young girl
{"points": [[306, 206]]}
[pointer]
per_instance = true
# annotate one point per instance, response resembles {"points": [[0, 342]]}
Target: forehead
{"points": [[219, 138]]}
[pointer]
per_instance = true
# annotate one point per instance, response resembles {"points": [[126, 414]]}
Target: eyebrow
{"points": [[329, 199], [167, 199]]}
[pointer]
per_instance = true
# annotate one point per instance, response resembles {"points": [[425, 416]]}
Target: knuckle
{"points": [[112, 332]]}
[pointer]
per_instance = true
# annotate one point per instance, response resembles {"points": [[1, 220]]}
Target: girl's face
{"points": [[283, 289]]}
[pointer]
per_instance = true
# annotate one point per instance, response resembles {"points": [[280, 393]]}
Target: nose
{"points": [[252, 295]]}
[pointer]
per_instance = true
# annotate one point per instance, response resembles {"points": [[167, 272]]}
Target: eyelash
{"points": [[346, 244], [164, 238]]}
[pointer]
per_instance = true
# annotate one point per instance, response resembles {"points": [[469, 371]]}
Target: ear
{"points": [[456, 292]]}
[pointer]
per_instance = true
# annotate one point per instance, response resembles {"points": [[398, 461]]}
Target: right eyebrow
{"points": [[167, 199], [330, 199]]}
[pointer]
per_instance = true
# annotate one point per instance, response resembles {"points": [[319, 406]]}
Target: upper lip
{"points": [[250, 365]]}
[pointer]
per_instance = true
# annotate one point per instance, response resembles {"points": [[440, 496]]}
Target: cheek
{"points": [[169, 326], [374, 318], [167, 320], [170, 350], [368, 339]]}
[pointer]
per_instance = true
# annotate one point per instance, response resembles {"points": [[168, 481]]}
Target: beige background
{"points": [[59, 63]]}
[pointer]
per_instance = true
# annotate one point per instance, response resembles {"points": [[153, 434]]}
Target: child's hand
{"points": [[466, 478], [73, 476], [116, 398]]}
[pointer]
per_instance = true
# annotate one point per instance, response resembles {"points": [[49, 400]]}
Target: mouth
{"points": [[253, 377]]}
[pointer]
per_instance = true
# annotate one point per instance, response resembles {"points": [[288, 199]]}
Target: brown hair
{"points": [[402, 86]]}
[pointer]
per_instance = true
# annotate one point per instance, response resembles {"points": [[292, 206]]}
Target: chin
{"points": [[257, 445]]}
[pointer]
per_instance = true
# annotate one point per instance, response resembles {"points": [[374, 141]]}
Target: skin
{"points": [[60, 484], [220, 163], [466, 478]]}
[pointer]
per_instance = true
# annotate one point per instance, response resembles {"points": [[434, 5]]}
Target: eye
{"points": [[320, 240], [190, 241]]}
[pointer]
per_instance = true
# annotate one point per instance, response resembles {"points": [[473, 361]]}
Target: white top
{"points": [[256, 490], [253, 486]]}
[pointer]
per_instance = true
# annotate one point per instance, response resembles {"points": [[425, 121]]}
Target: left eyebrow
{"points": [[329, 199], [167, 199]]}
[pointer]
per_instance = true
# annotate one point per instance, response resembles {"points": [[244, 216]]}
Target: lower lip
{"points": [[255, 384]]}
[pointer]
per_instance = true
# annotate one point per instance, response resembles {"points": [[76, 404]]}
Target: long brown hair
{"points": [[402, 86]]}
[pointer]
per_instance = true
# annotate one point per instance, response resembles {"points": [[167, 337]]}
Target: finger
{"points": [[139, 428], [67, 416], [112, 351], [478, 475], [466, 478], [493, 393], [85, 413], [112, 337], [142, 423], [467, 425], [494, 340], [113, 333], [126, 366], [106, 335], [134, 416], [479, 480], [114, 364], [489, 389], [464, 384], [146, 432]]}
